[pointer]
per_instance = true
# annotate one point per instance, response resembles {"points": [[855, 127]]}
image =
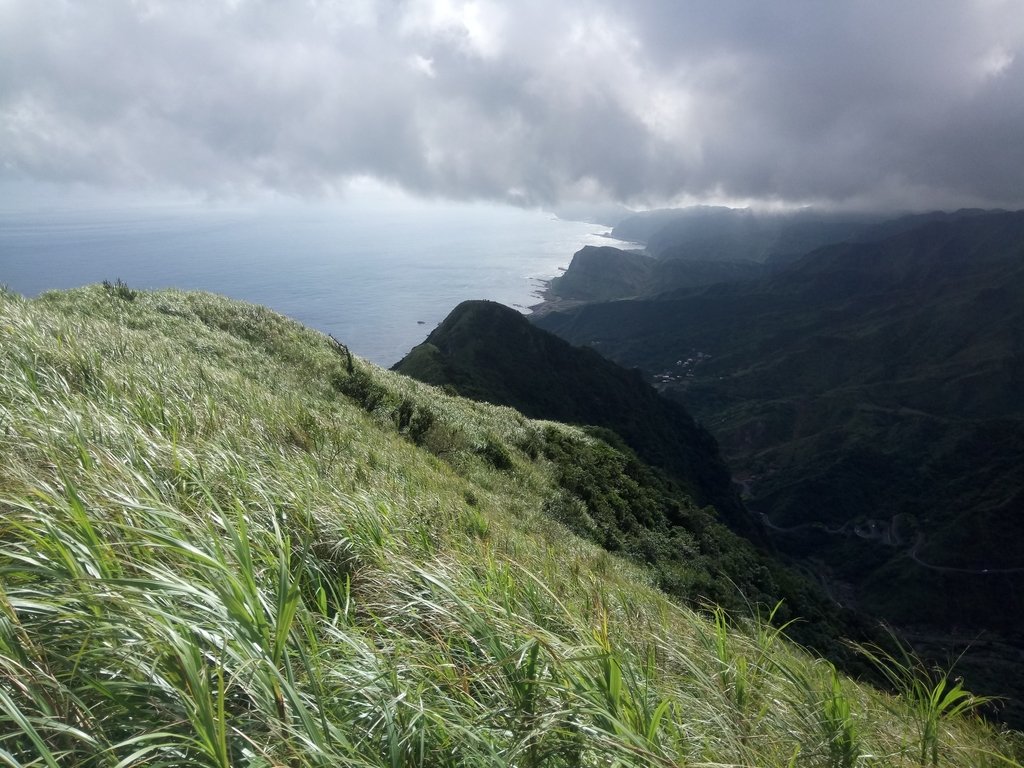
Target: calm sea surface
{"points": [[378, 279]]}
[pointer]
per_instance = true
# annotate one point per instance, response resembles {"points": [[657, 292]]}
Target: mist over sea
{"points": [[378, 278]]}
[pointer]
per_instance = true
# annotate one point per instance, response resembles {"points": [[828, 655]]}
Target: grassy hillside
{"points": [[223, 543]]}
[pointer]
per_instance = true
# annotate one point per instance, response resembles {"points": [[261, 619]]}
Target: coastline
{"points": [[549, 303], [640, 246]]}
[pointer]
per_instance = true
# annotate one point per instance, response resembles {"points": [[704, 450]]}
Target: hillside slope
{"points": [[224, 542]]}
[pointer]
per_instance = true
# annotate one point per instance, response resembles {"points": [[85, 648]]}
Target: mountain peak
{"points": [[489, 352]]}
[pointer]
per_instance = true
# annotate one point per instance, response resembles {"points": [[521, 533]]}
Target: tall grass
{"points": [[209, 555], [931, 697]]}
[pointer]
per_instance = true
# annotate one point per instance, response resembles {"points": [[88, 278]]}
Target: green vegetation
{"points": [[933, 698], [621, 504], [219, 546]]}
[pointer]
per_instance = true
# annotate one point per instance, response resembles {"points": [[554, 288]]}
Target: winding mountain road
{"points": [[953, 569], [912, 553]]}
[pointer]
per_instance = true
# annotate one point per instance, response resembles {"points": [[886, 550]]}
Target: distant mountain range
{"points": [[872, 384], [702, 245], [709, 233], [869, 397]]}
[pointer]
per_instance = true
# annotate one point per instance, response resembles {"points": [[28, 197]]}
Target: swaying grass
{"points": [[210, 555], [930, 696], [839, 727]]}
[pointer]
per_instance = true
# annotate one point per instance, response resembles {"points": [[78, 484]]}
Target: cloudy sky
{"points": [[867, 104]]}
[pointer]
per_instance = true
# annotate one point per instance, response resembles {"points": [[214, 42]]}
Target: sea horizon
{"points": [[377, 277]]}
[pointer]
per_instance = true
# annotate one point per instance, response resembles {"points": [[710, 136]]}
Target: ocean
{"points": [[379, 278]]}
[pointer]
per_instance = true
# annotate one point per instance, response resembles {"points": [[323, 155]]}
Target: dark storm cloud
{"points": [[913, 104]]}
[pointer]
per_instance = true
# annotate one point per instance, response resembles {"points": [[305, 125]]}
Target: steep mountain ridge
{"points": [[489, 352]]}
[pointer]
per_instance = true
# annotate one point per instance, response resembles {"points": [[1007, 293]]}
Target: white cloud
{"points": [[424, 64], [995, 62]]}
